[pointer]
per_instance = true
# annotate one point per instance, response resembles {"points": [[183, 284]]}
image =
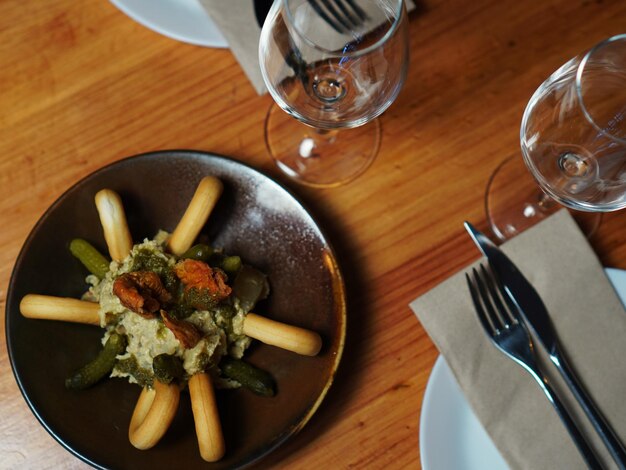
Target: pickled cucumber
{"points": [[251, 377], [250, 286], [129, 365], [102, 365], [90, 257], [199, 252], [231, 264], [167, 368]]}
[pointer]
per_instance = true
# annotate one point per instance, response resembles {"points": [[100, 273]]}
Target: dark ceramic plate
{"points": [[255, 218]]}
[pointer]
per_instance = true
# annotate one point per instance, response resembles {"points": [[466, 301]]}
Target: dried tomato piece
{"points": [[142, 292], [186, 333], [204, 286]]}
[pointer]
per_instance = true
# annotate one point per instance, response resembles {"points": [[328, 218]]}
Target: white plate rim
{"points": [[444, 394], [182, 20]]}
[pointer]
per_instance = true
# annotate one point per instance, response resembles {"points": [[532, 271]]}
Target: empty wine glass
{"points": [[334, 66], [573, 141]]}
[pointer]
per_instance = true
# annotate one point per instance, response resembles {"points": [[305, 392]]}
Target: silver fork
{"points": [[342, 15], [503, 327]]}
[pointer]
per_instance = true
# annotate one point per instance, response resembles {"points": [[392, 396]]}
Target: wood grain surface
{"points": [[82, 85]]}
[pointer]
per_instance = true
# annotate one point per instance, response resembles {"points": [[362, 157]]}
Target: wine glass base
{"points": [[317, 157], [514, 202]]}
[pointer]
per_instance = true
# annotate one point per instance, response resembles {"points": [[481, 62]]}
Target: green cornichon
{"points": [[199, 252], [144, 377], [253, 378], [91, 258], [250, 286], [231, 264], [102, 365], [167, 368]]}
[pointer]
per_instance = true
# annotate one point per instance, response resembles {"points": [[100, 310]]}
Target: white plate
{"points": [[451, 437], [183, 20]]}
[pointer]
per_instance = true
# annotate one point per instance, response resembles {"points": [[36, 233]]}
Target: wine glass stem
{"points": [[318, 139], [545, 202]]}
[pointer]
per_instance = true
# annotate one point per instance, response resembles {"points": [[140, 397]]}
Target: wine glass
{"points": [[573, 141], [334, 66]]}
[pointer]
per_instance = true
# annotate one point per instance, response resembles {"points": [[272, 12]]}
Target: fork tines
{"points": [[493, 314], [342, 15]]}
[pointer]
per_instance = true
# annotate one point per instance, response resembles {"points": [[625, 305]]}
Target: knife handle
{"points": [[585, 450], [606, 433]]}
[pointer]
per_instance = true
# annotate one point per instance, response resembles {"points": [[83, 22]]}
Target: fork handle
{"points": [[579, 440], [605, 432]]}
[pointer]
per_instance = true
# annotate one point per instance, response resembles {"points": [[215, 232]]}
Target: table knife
{"points": [[536, 318]]}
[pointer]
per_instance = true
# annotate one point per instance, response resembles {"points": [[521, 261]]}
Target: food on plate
{"points": [[153, 414], [292, 338], [175, 315], [202, 203], [102, 365], [47, 307], [249, 376], [91, 258], [206, 417], [113, 220]]}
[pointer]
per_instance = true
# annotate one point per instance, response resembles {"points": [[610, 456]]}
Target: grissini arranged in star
{"points": [[114, 225], [157, 404], [47, 307], [206, 417], [196, 215], [153, 414], [274, 333]]}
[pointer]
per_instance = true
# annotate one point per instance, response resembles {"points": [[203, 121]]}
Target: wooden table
{"points": [[82, 85]]}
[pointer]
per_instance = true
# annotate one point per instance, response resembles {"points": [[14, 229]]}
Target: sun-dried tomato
{"points": [[186, 333], [204, 286], [142, 292]]}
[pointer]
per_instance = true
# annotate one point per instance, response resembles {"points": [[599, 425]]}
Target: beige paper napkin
{"points": [[238, 24], [590, 322]]}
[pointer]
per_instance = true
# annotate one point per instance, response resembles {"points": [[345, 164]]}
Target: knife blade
{"points": [[536, 318]]}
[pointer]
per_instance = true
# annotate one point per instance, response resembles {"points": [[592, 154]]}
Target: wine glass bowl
{"points": [[334, 82], [573, 143], [573, 132]]}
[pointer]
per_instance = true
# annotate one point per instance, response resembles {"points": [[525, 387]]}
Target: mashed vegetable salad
{"points": [[186, 311]]}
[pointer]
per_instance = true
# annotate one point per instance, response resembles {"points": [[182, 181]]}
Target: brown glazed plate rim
{"points": [[257, 218]]}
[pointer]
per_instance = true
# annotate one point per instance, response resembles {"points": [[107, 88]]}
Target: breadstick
{"points": [[153, 414], [47, 307], [204, 199], [206, 417], [292, 338], [113, 220]]}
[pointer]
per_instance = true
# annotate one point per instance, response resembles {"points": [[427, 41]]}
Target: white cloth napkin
{"points": [[590, 322]]}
